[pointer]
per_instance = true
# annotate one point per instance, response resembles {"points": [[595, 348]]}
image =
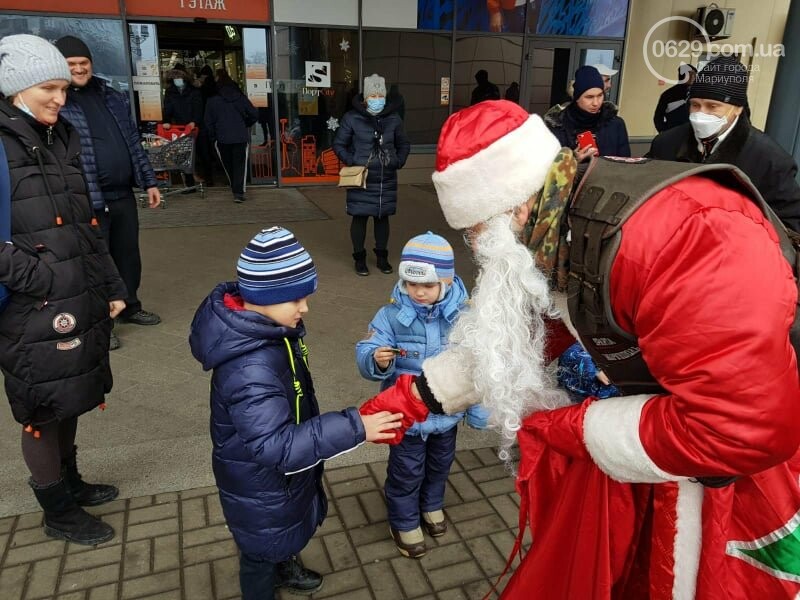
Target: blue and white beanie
{"points": [[427, 258], [274, 268]]}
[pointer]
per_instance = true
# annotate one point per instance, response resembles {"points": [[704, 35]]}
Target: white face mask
{"points": [[20, 104], [705, 125], [178, 82]]}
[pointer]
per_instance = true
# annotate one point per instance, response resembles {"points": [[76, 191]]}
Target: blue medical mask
{"points": [[375, 105], [178, 82]]}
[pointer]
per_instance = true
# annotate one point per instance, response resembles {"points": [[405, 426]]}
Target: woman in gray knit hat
{"points": [[372, 135], [64, 288]]}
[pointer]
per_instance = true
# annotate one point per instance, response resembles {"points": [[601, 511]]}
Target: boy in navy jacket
{"points": [[269, 437], [412, 327]]}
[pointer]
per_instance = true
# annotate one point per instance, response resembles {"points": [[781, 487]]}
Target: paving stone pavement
{"points": [[176, 545]]}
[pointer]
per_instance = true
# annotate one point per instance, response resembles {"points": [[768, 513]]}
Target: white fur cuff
{"points": [[611, 434], [449, 377]]}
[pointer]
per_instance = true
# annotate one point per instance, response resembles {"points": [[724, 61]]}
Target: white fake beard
{"points": [[504, 331]]}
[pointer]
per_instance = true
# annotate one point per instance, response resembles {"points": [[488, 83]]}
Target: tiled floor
{"points": [[176, 545]]}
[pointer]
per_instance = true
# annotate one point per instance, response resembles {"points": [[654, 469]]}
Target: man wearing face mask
{"points": [[183, 105], [719, 131]]}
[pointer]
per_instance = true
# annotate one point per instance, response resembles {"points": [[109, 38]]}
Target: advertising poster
{"points": [[599, 18], [436, 14], [148, 91], [318, 74], [445, 92]]}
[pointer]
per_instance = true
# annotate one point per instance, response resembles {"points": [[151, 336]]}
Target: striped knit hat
{"points": [[427, 258], [275, 268], [724, 79]]}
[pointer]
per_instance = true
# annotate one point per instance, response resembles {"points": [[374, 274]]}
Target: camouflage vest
{"points": [[611, 191]]}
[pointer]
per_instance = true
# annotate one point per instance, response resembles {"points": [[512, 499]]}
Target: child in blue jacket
{"points": [[268, 435], [413, 327]]}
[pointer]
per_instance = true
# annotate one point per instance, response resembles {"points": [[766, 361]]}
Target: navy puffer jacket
{"points": [[119, 107], [268, 447], [378, 141]]}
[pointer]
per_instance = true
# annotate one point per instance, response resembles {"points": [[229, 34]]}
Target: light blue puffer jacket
{"points": [[421, 331]]}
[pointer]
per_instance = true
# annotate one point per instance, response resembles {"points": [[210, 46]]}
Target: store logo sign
{"points": [[318, 74]]}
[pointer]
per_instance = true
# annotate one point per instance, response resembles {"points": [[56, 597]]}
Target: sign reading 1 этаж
{"points": [[234, 10], [204, 4]]}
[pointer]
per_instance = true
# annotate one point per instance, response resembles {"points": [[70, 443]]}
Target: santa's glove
{"points": [[561, 429], [398, 399], [558, 338]]}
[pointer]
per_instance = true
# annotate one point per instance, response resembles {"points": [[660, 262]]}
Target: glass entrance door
{"points": [[549, 68]]}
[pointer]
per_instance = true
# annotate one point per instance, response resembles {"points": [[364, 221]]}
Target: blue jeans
{"points": [[416, 477], [256, 578]]}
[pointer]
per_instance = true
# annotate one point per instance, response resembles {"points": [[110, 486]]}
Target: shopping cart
{"points": [[168, 156]]}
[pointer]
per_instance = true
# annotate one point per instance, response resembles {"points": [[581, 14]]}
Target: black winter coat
{"points": [[771, 169], [54, 332], [380, 142], [229, 116], [610, 131], [183, 106]]}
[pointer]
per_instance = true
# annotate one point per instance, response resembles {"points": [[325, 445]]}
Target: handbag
{"points": [[353, 177], [5, 216]]}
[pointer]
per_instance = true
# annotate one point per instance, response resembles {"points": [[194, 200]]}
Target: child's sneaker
{"points": [[296, 578], [434, 523], [410, 543]]}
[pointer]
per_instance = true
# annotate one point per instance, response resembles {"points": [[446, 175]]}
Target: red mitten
{"points": [[398, 399], [558, 339], [561, 429]]}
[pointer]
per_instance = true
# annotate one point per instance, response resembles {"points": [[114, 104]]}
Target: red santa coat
{"points": [[701, 281]]}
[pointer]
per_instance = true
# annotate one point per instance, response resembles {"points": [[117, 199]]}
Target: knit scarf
{"points": [[545, 234]]}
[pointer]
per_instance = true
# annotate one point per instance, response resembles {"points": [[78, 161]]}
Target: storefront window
{"points": [[414, 66], [102, 36], [316, 77], [499, 56]]}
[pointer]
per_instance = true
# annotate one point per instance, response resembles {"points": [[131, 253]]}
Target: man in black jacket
{"points": [[113, 160], [673, 105], [719, 131]]}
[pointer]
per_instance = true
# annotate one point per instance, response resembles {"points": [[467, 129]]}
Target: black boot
{"points": [[383, 261], [361, 262], [85, 494], [65, 520], [296, 578]]}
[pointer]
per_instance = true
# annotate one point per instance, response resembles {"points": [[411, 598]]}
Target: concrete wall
{"points": [[758, 23]]}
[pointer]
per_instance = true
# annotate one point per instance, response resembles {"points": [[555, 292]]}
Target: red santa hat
{"points": [[490, 158]]}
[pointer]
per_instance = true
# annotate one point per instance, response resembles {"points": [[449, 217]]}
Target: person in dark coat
{"points": [[588, 111], [229, 116], [719, 131], [183, 105], [485, 90], [113, 162], [205, 147], [673, 107], [372, 134], [270, 440], [64, 288]]}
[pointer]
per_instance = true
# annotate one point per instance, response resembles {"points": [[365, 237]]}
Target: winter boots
{"points": [[383, 261], [410, 543], [65, 520], [361, 263], [293, 576], [85, 494]]}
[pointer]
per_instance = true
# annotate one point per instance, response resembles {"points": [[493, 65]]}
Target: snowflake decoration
{"points": [[333, 123], [344, 45], [293, 48]]}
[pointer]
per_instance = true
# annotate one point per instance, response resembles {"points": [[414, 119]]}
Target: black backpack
{"points": [[611, 191]]}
